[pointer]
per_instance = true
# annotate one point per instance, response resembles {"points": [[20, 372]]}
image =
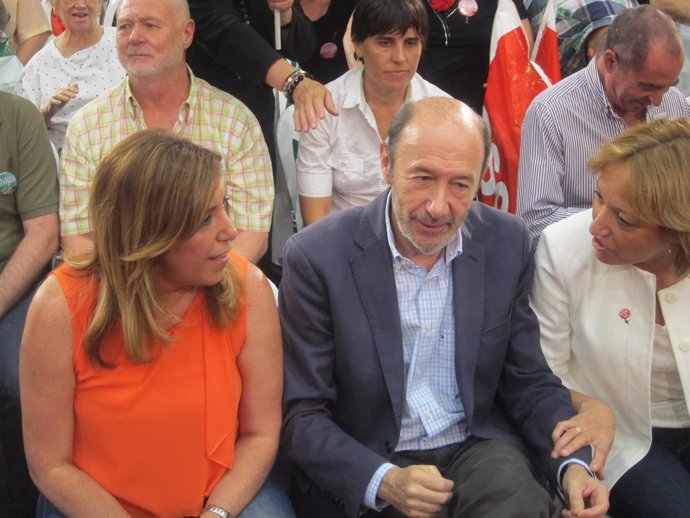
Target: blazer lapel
{"points": [[468, 306], [373, 274]]}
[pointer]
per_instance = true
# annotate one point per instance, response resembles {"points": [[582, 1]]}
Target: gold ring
{"points": [[578, 429]]}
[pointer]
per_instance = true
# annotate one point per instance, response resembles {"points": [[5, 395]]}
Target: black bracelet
{"points": [[289, 79], [292, 81]]}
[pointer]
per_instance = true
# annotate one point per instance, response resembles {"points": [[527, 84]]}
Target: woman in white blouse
{"points": [[77, 66], [338, 164], [612, 294]]}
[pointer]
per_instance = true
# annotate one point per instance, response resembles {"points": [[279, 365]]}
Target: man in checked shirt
{"points": [[160, 91]]}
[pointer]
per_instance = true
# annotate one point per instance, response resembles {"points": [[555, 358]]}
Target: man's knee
{"points": [[496, 479]]}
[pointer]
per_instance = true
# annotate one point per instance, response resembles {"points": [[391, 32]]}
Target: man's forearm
{"points": [[28, 260]]}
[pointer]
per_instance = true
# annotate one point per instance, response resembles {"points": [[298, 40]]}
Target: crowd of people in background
{"points": [[415, 352]]}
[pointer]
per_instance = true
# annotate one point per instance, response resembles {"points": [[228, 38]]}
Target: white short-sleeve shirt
{"points": [[340, 157]]}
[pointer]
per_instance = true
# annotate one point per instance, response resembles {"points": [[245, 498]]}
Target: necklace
{"points": [[442, 9]]}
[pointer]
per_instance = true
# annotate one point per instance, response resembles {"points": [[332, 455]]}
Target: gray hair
{"points": [[444, 109], [634, 30]]}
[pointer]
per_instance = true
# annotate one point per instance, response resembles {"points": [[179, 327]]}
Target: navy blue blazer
{"points": [[344, 391]]}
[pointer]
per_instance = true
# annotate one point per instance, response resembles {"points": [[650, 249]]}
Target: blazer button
{"points": [[671, 297], [389, 447]]}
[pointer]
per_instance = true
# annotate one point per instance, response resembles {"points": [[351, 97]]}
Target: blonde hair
{"points": [[151, 192], [657, 154]]}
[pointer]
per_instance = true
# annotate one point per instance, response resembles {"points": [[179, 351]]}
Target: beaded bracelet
{"points": [[292, 81]]}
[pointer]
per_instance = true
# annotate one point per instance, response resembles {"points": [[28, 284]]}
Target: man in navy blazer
{"points": [[414, 377]]}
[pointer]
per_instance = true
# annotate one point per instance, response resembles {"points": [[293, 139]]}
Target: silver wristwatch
{"points": [[217, 510]]}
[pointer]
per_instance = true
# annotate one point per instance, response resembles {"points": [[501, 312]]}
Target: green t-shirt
{"points": [[28, 172]]}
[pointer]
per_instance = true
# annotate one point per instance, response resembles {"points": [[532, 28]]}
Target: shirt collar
{"points": [[186, 108], [354, 91], [451, 251], [597, 87]]}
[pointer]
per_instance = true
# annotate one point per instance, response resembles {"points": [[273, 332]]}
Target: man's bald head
{"points": [[436, 111]]}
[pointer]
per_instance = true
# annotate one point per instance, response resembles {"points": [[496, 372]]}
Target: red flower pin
{"points": [[625, 314]]}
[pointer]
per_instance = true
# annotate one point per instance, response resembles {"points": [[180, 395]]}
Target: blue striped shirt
{"points": [[564, 126], [433, 415]]}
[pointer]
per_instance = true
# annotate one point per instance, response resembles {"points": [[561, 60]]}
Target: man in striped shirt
{"points": [[630, 81], [161, 92]]}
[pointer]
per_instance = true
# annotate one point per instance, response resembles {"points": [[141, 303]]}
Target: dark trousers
{"points": [[493, 479], [17, 492], [658, 485]]}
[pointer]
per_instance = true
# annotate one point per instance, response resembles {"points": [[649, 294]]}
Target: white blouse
{"points": [[340, 157], [598, 334]]}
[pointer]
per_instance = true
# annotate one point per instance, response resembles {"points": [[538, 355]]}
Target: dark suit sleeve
{"points": [[338, 464], [223, 36], [531, 394]]}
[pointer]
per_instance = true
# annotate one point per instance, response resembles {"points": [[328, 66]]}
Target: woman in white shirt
{"points": [[338, 163], [612, 294], [72, 69]]}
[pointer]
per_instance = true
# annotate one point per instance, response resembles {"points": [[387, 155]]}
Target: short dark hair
{"points": [[633, 31], [405, 114], [372, 17]]}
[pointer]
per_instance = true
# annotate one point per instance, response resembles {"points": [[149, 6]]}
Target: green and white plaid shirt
{"points": [[209, 117]]}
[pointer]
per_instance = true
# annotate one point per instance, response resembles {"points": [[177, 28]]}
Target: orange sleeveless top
{"points": [[157, 436]]}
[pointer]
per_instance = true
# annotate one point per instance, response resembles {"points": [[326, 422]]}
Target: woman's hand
{"points": [[594, 425], [58, 100], [312, 100]]}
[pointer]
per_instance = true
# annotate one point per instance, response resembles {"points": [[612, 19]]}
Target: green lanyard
{"points": [[5, 49]]}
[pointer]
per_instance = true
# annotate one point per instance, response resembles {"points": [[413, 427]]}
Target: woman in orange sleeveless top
{"points": [[151, 371]]}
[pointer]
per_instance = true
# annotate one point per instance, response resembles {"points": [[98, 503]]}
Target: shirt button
{"points": [[684, 346], [671, 297]]}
